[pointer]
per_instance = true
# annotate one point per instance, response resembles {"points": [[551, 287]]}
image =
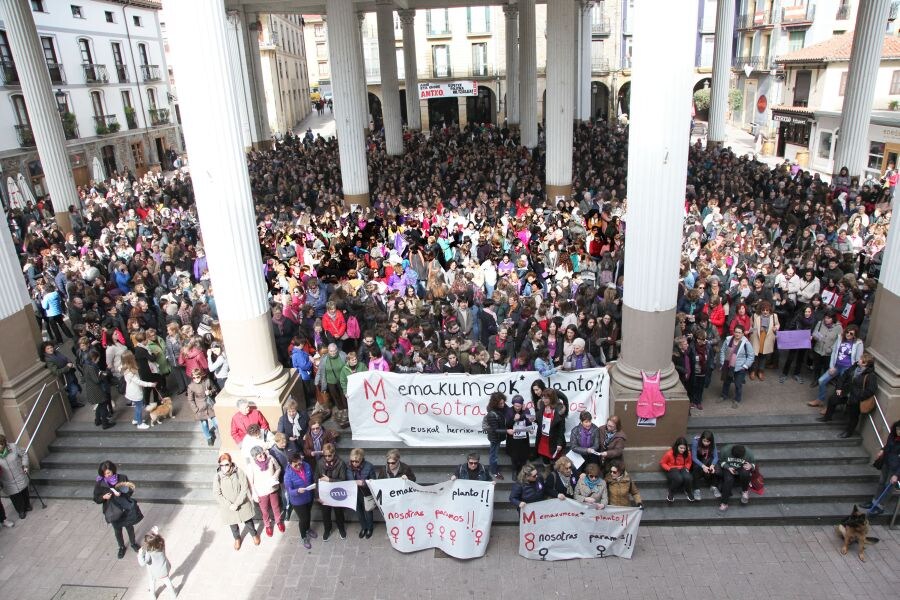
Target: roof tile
{"points": [[837, 48]]}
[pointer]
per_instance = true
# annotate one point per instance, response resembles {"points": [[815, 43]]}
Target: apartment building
{"points": [[282, 51]]}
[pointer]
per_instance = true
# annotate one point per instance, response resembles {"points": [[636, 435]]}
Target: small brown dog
{"points": [[158, 412], [855, 528]]}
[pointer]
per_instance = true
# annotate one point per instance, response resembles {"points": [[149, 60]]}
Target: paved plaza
{"points": [[68, 543]]}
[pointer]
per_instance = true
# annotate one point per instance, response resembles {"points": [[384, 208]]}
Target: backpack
{"points": [[353, 328]]}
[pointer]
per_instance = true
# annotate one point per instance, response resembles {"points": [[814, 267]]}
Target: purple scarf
{"points": [[110, 481], [585, 438], [264, 464]]}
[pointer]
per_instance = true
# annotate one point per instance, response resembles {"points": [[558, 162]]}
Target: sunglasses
{"points": [[392, 462], [473, 462], [224, 464], [328, 455]]}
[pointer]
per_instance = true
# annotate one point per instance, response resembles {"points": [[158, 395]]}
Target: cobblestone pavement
{"points": [[68, 543]]}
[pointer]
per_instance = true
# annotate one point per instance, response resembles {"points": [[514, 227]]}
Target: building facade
{"points": [[282, 50], [107, 65]]}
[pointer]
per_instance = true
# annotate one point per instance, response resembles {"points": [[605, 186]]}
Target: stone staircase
{"points": [[811, 475]]}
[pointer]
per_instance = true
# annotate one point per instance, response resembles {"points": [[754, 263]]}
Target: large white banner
{"points": [[447, 409], [338, 493], [448, 89], [454, 516], [563, 529]]}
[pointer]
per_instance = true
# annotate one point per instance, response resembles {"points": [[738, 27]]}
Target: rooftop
{"points": [[837, 49]]}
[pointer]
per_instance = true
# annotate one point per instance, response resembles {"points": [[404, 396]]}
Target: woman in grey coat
{"points": [[14, 477], [232, 493]]}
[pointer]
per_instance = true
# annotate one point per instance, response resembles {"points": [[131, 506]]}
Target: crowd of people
{"points": [[460, 265]]}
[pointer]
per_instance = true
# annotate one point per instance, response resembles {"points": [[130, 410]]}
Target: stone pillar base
{"points": [[269, 400], [513, 127], [884, 344], [555, 191], [715, 143], [361, 199], [646, 445], [263, 145], [64, 220]]}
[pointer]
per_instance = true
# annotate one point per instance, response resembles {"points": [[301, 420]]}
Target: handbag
{"points": [[879, 462], [114, 510], [120, 385], [757, 483], [368, 503], [868, 405], [727, 374]]}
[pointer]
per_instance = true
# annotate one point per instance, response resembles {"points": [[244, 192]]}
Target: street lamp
{"points": [[60, 101]]}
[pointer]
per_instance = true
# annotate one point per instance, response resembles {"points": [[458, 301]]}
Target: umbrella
{"points": [[15, 196], [97, 169], [27, 195]]}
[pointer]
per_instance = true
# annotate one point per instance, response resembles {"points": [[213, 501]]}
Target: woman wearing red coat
{"points": [[333, 322], [741, 317], [676, 462], [193, 357], [717, 314]]}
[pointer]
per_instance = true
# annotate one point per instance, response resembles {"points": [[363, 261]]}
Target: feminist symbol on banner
{"points": [[411, 534], [452, 537], [478, 535], [544, 552], [600, 551], [442, 530], [395, 533], [430, 529]]}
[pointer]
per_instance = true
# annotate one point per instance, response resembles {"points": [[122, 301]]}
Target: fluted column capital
{"points": [[586, 5], [407, 16], [511, 11]]}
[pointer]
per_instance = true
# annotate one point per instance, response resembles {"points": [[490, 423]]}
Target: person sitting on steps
{"points": [[736, 465], [853, 386]]}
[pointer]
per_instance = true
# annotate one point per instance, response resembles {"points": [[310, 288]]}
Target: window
{"points": [[138, 21], [319, 30], [76, 12], [137, 154], [843, 85], [142, 52], [323, 70], [110, 17], [706, 51], [20, 110], [479, 19], [151, 98], [438, 21], [37, 5], [126, 99], [97, 104], [84, 46], [796, 133], [796, 41], [876, 155], [321, 52], [440, 56], [825, 140], [479, 60], [895, 83]]}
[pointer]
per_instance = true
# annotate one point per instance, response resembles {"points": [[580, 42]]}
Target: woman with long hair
{"points": [[133, 386], [676, 462]]}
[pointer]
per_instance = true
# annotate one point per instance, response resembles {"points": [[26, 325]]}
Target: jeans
{"points": [[367, 517], [826, 377], [702, 478], [493, 458], [117, 531], [728, 480], [204, 427], [248, 524], [680, 480], [739, 377], [488, 290], [138, 411]]}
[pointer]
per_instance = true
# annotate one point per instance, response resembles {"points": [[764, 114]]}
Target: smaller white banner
{"points": [[338, 493], [447, 89], [454, 516], [563, 529]]}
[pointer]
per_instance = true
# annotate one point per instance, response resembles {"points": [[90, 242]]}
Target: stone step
{"points": [[200, 458], [741, 422], [144, 441], [169, 427], [196, 477]]}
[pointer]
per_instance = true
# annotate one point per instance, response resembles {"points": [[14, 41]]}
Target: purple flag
{"points": [[794, 340]]}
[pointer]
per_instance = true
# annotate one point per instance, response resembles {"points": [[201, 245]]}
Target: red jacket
{"points": [[240, 423], [717, 318], [336, 326], [669, 461]]}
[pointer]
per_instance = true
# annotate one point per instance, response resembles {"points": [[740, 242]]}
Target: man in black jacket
{"points": [[472, 469]]}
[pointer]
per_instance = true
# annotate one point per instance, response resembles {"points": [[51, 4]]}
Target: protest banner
{"points": [[338, 493], [448, 89], [454, 516], [797, 339], [447, 409], [563, 529]]}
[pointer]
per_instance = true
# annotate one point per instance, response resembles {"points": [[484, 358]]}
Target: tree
{"points": [[701, 100]]}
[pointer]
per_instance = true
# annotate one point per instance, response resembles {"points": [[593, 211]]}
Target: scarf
{"points": [[585, 437], [262, 464], [317, 439], [110, 481], [301, 473], [591, 483], [295, 422]]}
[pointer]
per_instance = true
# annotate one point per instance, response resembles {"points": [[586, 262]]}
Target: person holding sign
{"points": [[560, 483], [360, 471], [518, 446], [622, 489], [527, 488], [591, 488], [551, 421], [331, 468], [299, 482], [585, 439], [395, 468], [472, 469]]}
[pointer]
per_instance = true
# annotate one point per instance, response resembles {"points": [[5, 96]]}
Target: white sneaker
{"points": [[745, 497], [133, 422], [8, 524], [716, 492], [143, 426]]}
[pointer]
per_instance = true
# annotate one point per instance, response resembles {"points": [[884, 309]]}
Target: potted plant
{"points": [[894, 104], [114, 127], [102, 129], [70, 125], [130, 117]]}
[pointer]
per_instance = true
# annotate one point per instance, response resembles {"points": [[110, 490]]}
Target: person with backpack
{"points": [[494, 425]]}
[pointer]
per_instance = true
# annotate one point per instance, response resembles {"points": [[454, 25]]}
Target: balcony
{"points": [[150, 73], [798, 16], [600, 28], [626, 63], [373, 73], [57, 74], [843, 13], [757, 63], [95, 73], [755, 20], [10, 75], [599, 66], [444, 72], [122, 73], [159, 116], [70, 125], [479, 71], [106, 124], [25, 135]]}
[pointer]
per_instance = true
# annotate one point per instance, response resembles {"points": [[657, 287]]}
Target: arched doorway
{"points": [[624, 99], [442, 111], [702, 115], [375, 112], [483, 107], [599, 101]]}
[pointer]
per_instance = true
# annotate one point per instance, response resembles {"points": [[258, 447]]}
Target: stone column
{"points": [[413, 112], [512, 65], [257, 92], [390, 89], [226, 211], [527, 75], [721, 72], [583, 112], [22, 373], [882, 341], [343, 28], [859, 97], [560, 96], [362, 88], [43, 111], [236, 71], [658, 144]]}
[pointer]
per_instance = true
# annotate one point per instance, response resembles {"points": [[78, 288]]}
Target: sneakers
{"points": [[723, 398], [735, 404], [723, 507], [210, 442], [670, 498], [782, 378], [108, 424], [342, 532], [697, 496], [135, 547], [866, 506], [799, 379], [699, 407], [280, 527], [312, 534], [306, 543], [8, 524], [143, 426], [689, 496], [715, 491], [498, 476], [876, 510], [745, 497], [269, 531], [133, 422]]}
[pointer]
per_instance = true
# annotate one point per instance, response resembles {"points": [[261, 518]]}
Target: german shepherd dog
{"points": [[855, 528]]}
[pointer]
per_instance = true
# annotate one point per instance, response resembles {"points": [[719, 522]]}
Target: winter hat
{"points": [[517, 399]]}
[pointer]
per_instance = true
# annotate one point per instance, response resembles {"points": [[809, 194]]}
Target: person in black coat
{"points": [[560, 483], [360, 470], [527, 488], [114, 487], [472, 469], [855, 385], [518, 445]]}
